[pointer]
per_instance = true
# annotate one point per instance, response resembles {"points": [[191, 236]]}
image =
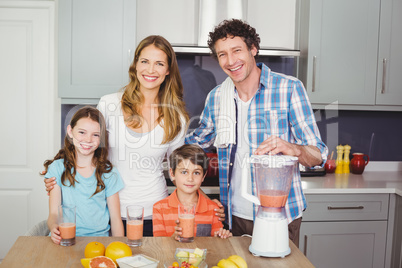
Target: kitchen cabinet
{"points": [[96, 46], [343, 45], [345, 230], [389, 79], [188, 22], [396, 233]]}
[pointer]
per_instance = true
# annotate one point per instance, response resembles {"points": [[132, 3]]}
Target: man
{"points": [[255, 111]]}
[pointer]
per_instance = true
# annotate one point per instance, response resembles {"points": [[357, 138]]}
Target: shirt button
{"points": [[231, 164], [228, 184]]}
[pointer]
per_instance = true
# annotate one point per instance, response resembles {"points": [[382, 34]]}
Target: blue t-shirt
{"points": [[92, 213]]}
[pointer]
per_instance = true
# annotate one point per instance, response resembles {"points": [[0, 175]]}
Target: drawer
{"points": [[334, 207]]}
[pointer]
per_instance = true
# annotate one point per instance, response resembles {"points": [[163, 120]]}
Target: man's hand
{"points": [[308, 155], [220, 212]]}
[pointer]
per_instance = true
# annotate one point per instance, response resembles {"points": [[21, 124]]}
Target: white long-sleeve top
{"points": [[137, 156]]}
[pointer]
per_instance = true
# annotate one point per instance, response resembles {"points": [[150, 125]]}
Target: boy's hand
{"points": [[49, 183], [222, 233], [55, 235], [220, 212], [176, 235]]}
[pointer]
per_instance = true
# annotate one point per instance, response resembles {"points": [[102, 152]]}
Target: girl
{"points": [[85, 178]]}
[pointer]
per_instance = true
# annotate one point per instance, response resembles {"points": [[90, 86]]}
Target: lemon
{"points": [[85, 262], [224, 263], [239, 261]]}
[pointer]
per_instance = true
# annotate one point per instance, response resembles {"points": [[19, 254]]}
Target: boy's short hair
{"points": [[191, 152]]}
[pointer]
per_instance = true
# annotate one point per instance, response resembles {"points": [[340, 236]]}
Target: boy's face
{"points": [[188, 176]]}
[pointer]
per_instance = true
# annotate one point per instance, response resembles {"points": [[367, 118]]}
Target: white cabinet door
{"points": [[342, 50], [96, 46], [275, 22], [29, 117], [344, 244], [389, 81], [176, 20]]}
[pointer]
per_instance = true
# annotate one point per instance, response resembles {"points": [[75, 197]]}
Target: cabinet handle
{"points": [[384, 72], [314, 71], [358, 207], [305, 245]]}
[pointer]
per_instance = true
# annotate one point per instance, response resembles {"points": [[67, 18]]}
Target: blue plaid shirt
{"points": [[280, 107]]}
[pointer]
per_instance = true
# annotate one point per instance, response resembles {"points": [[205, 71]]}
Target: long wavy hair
{"points": [[171, 106], [68, 152]]}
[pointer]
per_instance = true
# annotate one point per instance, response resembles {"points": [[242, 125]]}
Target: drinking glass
{"points": [[66, 220], [186, 219], [135, 225]]}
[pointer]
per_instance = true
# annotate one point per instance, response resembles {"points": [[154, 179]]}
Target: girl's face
{"points": [[152, 68], [85, 135]]}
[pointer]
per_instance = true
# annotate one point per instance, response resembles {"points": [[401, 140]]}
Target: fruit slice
{"points": [[194, 259], [199, 251], [182, 256], [102, 262], [85, 262], [239, 261]]}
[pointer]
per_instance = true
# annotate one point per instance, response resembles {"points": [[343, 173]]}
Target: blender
{"points": [[273, 175]]}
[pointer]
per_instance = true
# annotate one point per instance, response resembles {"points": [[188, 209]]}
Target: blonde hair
{"points": [[171, 106]]}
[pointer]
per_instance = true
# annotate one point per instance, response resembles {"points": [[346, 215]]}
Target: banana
{"points": [[224, 263], [239, 261]]}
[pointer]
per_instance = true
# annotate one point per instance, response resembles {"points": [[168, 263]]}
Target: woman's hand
{"points": [[49, 182], [176, 235], [220, 212], [223, 233]]}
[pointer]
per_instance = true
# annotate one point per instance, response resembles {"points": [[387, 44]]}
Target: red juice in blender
{"points": [[273, 198]]}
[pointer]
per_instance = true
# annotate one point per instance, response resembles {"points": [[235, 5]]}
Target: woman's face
{"points": [[152, 67]]}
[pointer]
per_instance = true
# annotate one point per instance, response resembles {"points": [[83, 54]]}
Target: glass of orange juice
{"points": [[186, 222], [66, 219], [135, 225]]}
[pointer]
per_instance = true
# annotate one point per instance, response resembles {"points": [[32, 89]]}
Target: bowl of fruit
{"points": [[188, 258]]}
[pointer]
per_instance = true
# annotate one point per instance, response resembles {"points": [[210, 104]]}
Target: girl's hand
{"points": [[222, 233], [55, 235], [176, 235], [220, 212]]}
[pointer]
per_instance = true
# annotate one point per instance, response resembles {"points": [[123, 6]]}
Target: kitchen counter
{"points": [[40, 251], [380, 177]]}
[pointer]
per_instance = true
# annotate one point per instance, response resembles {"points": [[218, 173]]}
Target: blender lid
{"points": [[274, 160]]}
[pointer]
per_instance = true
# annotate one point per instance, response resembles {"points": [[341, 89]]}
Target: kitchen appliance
{"points": [[273, 175]]}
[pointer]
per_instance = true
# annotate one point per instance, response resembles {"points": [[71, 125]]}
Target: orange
{"points": [[102, 261], [118, 249], [94, 249]]}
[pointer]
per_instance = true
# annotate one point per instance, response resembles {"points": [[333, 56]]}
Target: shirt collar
{"points": [[265, 72], [202, 205]]}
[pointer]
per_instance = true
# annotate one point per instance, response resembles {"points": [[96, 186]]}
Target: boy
{"points": [[188, 165]]}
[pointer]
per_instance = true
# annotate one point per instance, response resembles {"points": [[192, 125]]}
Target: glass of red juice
{"points": [[135, 225], [186, 222], [66, 220]]}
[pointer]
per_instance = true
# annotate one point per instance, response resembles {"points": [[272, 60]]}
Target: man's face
{"points": [[235, 59]]}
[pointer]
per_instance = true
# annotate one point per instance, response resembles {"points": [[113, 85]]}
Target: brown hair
{"points": [[191, 152], [171, 105], [67, 153], [232, 28]]}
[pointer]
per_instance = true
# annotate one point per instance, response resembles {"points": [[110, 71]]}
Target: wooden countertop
{"points": [[40, 251]]}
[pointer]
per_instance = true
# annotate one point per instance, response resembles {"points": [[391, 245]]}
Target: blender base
{"points": [[270, 238]]}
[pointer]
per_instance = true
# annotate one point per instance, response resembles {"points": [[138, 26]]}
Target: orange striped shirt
{"points": [[165, 214]]}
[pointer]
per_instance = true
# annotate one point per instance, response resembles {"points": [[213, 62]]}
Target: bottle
{"points": [[346, 160], [339, 160]]}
